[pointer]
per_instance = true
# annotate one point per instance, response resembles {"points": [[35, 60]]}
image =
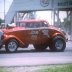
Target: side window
{"points": [[17, 24], [22, 24], [42, 24], [27, 25], [31, 25], [36, 25]]}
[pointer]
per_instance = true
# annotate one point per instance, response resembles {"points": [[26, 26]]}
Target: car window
{"points": [[20, 24], [32, 24]]}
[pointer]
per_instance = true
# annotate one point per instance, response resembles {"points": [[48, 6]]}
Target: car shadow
{"points": [[24, 51], [31, 51]]}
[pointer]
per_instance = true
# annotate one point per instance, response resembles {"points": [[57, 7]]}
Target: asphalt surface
{"points": [[29, 56]]}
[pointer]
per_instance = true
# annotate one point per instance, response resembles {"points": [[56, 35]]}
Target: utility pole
{"points": [[4, 10], [4, 13]]}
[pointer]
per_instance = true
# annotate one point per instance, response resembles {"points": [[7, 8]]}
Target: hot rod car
{"points": [[36, 32]]}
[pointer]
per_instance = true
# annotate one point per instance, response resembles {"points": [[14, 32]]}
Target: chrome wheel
{"points": [[59, 44], [11, 46]]}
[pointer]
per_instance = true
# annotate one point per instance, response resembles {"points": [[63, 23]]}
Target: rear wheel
{"points": [[57, 44], [11, 45]]}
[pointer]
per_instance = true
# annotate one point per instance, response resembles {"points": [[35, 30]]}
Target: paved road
{"points": [[30, 57]]}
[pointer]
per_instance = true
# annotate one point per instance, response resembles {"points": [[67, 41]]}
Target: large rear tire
{"points": [[58, 44]]}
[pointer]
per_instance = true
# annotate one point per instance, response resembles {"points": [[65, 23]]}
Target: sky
{"points": [[7, 5], [47, 15]]}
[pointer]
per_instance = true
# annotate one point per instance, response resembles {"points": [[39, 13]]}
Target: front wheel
{"points": [[11, 45], [57, 44]]}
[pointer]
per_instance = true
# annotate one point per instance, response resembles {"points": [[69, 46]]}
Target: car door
{"points": [[39, 33], [34, 33]]}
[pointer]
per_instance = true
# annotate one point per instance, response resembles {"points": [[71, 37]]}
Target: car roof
{"points": [[22, 21]]}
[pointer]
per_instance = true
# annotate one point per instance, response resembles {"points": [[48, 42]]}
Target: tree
{"points": [[1, 21], [67, 26]]}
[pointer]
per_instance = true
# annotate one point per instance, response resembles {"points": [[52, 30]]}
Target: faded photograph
{"points": [[35, 35]]}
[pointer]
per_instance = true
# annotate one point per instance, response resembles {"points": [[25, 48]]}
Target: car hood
{"points": [[12, 29]]}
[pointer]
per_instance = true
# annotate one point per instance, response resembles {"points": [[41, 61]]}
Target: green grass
{"points": [[43, 68], [2, 69], [56, 68]]}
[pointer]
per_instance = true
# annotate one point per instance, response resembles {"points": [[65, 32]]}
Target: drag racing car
{"points": [[36, 32]]}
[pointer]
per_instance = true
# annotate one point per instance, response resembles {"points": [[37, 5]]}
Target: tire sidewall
{"points": [[63, 47], [53, 47], [6, 46]]}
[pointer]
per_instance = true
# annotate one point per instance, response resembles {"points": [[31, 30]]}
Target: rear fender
{"points": [[57, 35]]}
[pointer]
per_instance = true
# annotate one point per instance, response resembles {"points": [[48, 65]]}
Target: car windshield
{"points": [[32, 24]]}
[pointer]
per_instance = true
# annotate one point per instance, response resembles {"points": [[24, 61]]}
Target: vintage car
{"points": [[36, 32]]}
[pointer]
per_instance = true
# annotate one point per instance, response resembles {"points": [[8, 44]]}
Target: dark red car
{"points": [[36, 32]]}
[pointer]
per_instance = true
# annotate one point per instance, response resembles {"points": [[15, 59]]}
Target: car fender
{"points": [[8, 37], [57, 35]]}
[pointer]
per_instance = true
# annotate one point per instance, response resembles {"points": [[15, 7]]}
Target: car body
{"points": [[36, 32]]}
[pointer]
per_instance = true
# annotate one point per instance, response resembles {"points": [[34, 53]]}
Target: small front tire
{"points": [[11, 46]]}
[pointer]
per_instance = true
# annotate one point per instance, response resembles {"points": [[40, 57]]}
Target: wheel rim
{"points": [[12, 46], [59, 44]]}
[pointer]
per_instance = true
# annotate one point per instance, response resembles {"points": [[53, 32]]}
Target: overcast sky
{"points": [[7, 5]]}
